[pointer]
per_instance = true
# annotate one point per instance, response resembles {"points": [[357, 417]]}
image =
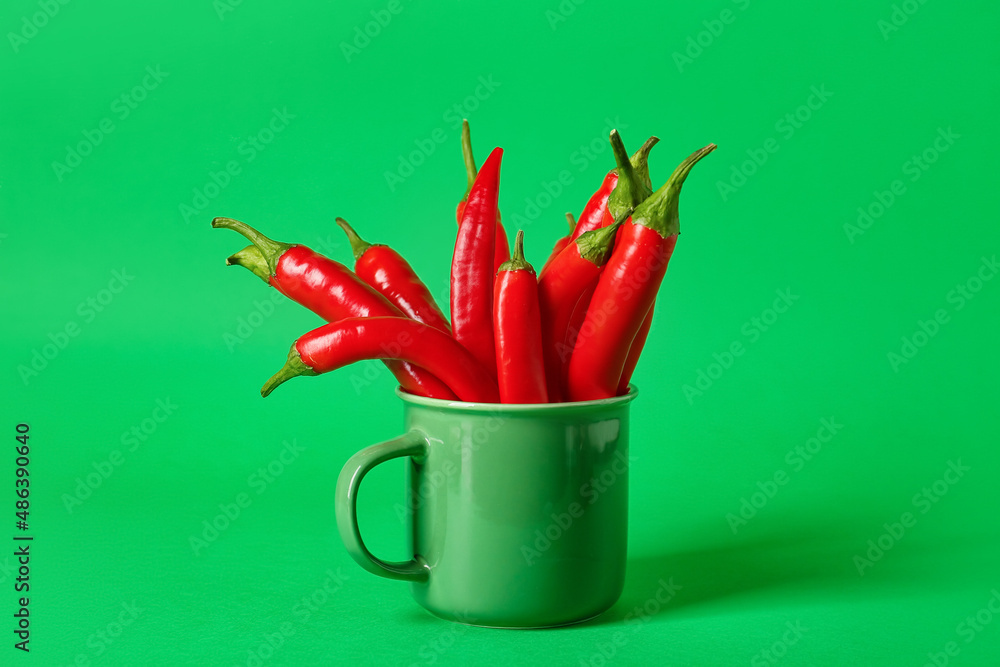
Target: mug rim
{"points": [[449, 404]]}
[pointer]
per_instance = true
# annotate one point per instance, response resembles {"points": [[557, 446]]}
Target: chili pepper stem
{"points": [[571, 221], [661, 211], [470, 161], [294, 367], [517, 262], [625, 168], [633, 175], [251, 258], [640, 160], [597, 244], [358, 245], [270, 250]]}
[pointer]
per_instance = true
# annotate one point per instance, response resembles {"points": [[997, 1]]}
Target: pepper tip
{"points": [[294, 366]]}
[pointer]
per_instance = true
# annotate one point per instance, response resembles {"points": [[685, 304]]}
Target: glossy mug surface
{"points": [[517, 514]]}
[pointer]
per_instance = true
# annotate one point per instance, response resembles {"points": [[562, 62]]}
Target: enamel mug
{"points": [[516, 515]]}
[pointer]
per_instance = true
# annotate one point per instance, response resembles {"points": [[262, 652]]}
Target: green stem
{"points": [[661, 211], [294, 367], [640, 161], [632, 187], [270, 250], [596, 245], [572, 222], [251, 258], [517, 262], [470, 161], [358, 245], [622, 159]]}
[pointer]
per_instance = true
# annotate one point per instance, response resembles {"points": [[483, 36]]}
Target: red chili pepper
{"points": [[595, 213], [568, 283], [560, 243], [501, 248], [565, 284], [338, 344], [517, 329], [327, 288], [472, 267], [634, 351], [392, 276], [627, 288]]}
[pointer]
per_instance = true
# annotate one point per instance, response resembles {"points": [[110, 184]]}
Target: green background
{"points": [[184, 329]]}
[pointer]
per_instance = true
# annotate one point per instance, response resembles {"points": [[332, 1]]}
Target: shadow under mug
{"points": [[517, 514]]}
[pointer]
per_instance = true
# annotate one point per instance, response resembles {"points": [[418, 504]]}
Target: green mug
{"points": [[517, 514]]}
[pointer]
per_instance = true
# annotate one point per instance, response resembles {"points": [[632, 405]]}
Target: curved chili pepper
{"points": [[634, 351], [560, 243], [327, 288], [472, 268], [501, 249], [392, 276], [344, 342], [517, 329], [564, 288], [627, 288]]}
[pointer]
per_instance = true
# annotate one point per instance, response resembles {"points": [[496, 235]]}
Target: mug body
{"points": [[519, 512]]}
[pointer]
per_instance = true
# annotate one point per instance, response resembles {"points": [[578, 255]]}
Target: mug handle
{"points": [[412, 444]]}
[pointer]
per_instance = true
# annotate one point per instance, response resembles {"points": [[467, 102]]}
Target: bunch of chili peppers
{"points": [[573, 332]]}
